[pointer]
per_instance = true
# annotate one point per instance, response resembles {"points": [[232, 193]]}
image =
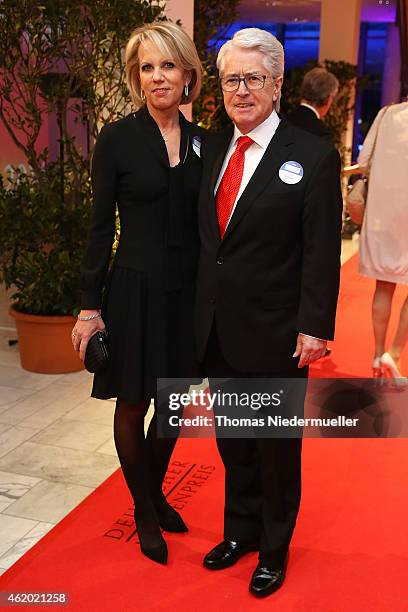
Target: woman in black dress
{"points": [[148, 165]]}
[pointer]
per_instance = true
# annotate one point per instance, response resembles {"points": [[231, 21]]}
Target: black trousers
{"points": [[262, 475]]}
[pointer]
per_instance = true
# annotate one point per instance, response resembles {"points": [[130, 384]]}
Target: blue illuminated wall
{"points": [[373, 41], [301, 42]]}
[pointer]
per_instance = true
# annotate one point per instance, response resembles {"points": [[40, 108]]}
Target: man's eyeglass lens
{"points": [[251, 82]]}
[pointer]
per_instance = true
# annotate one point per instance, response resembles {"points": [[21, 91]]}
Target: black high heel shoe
{"points": [[170, 520], [157, 553]]}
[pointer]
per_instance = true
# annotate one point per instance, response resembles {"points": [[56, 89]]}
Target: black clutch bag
{"points": [[97, 354]]}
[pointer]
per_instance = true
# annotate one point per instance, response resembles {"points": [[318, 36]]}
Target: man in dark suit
{"points": [[270, 220], [318, 90]]}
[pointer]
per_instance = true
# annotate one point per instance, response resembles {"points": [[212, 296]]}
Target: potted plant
{"points": [[41, 244], [61, 70]]}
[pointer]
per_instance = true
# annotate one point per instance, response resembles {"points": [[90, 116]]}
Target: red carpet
{"points": [[349, 552], [353, 348]]}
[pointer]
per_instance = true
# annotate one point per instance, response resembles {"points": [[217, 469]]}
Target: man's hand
{"points": [[310, 349]]}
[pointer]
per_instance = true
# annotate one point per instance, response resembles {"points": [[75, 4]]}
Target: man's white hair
{"points": [[260, 40]]}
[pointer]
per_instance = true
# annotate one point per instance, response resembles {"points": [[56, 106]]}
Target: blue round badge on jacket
{"points": [[291, 172]]}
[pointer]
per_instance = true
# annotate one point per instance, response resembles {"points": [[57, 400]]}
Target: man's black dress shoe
{"points": [[226, 554], [267, 579]]}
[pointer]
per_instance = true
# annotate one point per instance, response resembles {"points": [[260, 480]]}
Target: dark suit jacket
{"points": [[276, 272], [306, 119]]}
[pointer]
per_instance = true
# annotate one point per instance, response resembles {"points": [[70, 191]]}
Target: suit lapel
{"points": [[278, 151], [225, 139]]}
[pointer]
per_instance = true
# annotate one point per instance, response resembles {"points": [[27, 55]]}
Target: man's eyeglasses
{"points": [[252, 81]]}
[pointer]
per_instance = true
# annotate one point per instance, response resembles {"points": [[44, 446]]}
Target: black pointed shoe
{"points": [[171, 521], [158, 553], [227, 553], [155, 548], [267, 579]]}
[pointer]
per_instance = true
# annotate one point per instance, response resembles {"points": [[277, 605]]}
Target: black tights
{"points": [[144, 463]]}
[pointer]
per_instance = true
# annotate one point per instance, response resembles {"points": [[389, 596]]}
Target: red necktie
{"points": [[231, 182]]}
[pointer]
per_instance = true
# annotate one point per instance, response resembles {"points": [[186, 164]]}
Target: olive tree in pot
{"points": [[63, 63]]}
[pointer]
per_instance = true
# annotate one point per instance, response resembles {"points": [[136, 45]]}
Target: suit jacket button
{"points": [[220, 261]]}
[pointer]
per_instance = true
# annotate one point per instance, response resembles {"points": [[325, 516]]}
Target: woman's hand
{"points": [[84, 330]]}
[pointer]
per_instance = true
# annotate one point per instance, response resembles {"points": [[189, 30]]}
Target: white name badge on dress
{"points": [[291, 172]]}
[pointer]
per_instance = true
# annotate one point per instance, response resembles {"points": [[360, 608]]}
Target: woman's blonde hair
{"points": [[173, 42]]}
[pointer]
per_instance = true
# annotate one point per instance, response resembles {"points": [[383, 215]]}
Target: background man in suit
{"points": [[318, 90], [270, 220]]}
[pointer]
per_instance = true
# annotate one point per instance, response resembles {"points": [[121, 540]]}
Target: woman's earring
{"points": [[142, 94], [186, 90]]}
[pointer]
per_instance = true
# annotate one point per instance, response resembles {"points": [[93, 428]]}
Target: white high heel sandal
{"points": [[392, 369], [378, 370]]}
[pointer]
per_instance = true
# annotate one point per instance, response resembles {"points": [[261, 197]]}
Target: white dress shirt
{"points": [[311, 108], [262, 136]]}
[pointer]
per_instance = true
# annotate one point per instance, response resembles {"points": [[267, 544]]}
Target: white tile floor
{"points": [[56, 446]]}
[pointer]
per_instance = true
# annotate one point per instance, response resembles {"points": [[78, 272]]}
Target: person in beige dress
{"points": [[384, 234]]}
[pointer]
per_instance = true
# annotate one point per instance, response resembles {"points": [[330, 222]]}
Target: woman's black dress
{"points": [[148, 294]]}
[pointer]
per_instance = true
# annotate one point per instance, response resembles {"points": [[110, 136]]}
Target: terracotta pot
{"points": [[45, 343]]}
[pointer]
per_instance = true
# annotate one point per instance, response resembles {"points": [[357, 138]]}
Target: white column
{"points": [[182, 10], [339, 38], [339, 30]]}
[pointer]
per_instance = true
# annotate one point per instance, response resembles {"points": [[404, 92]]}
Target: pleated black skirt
{"points": [[150, 336]]}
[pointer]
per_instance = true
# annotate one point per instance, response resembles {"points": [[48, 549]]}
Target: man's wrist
{"points": [[314, 337]]}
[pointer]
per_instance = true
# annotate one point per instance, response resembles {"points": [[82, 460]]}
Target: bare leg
{"points": [[381, 312], [131, 447], [401, 335]]}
